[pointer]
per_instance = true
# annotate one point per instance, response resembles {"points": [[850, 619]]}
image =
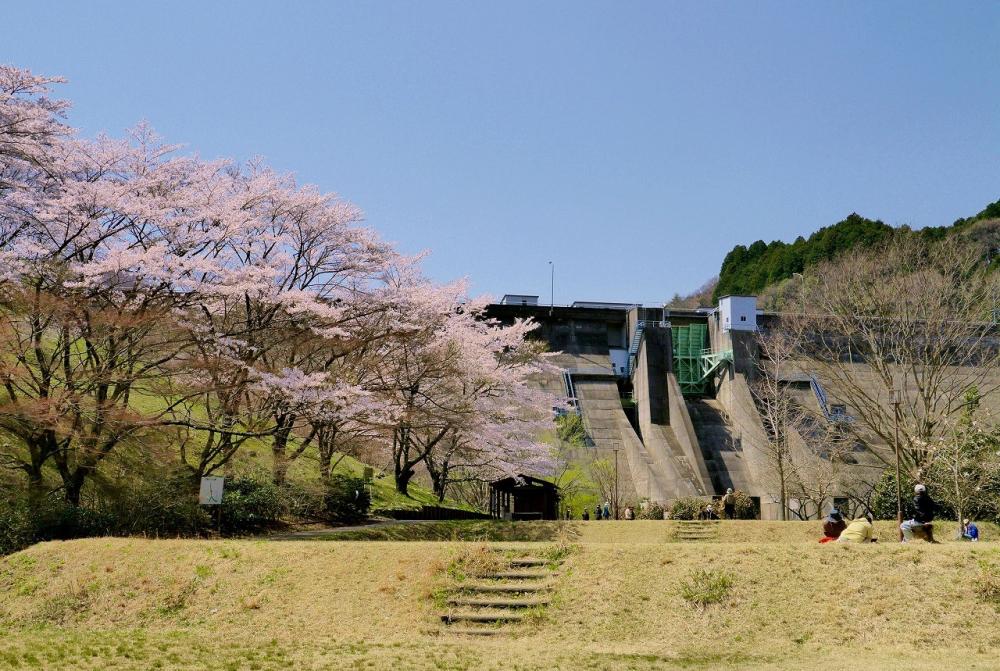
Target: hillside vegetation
{"points": [[618, 604], [750, 270]]}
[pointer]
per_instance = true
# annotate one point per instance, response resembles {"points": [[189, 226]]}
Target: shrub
{"points": [[988, 584], [745, 508], [165, 505], [652, 511], [50, 519], [54, 519], [347, 499], [249, 504], [16, 528], [704, 587], [303, 502], [686, 508]]}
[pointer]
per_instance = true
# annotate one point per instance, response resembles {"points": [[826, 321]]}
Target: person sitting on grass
{"points": [[923, 516], [709, 513], [833, 526], [858, 531], [970, 532]]}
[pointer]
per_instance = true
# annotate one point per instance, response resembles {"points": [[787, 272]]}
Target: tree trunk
{"points": [[279, 458], [36, 488], [439, 482], [325, 456], [403, 477], [74, 488]]}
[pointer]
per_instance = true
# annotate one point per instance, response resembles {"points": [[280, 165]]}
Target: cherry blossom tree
{"points": [[456, 388], [152, 298]]}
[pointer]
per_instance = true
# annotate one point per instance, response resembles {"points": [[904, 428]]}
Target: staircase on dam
{"points": [[720, 444]]}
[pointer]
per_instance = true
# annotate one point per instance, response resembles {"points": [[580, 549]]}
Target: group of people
{"points": [[603, 512], [728, 508], [921, 525]]}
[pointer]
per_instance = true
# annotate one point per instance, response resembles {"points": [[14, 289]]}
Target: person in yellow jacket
{"points": [[858, 531]]}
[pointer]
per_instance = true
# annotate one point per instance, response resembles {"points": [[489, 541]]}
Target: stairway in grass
{"points": [[497, 601], [696, 530]]}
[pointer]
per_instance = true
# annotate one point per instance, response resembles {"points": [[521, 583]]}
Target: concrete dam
{"points": [[666, 391]]}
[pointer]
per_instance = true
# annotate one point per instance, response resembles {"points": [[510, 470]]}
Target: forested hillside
{"points": [[749, 270]]}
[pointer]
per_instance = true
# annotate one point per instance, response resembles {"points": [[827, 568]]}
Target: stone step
{"points": [[497, 603], [481, 616], [519, 575], [475, 631], [494, 588], [527, 562]]}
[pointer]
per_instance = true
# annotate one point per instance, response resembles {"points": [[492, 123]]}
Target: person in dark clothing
{"points": [[923, 516], [833, 526], [729, 504], [586, 515]]}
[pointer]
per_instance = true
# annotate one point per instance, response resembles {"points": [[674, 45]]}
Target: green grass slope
{"points": [[618, 604]]}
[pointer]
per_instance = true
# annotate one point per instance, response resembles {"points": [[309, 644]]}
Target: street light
{"points": [[552, 287], [616, 481], [897, 398]]}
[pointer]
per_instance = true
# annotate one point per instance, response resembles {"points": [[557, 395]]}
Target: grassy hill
{"points": [[622, 601]]}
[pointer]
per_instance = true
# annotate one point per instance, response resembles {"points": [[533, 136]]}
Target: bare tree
{"points": [[908, 316], [779, 412], [609, 481]]}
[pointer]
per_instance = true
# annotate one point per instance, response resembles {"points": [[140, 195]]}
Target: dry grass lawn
{"points": [[620, 603]]}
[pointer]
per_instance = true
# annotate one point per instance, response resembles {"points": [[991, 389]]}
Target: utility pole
{"points": [[616, 482], [552, 287], [896, 400]]}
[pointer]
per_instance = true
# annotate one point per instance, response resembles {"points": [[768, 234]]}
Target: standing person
{"points": [[923, 516], [586, 515], [833, 526], [970, 532], [597, 512], [729, 504], [859, 531], [606, 512]]}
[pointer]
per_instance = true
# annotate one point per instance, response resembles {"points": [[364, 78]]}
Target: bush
{"points": [[303, 502], [165, 505], [17, 530], [704, 587], [745, 508], [51, 519], [347, 499], [54, 519], [988, 584], [652, 511], [686, 508], [883, 499], [249, 505]]}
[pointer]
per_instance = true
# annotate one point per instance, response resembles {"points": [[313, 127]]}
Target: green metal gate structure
{"points": [[695, 364]]}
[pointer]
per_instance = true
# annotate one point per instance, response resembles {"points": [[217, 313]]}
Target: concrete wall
{"points": [[680, 422], [679, 471]]}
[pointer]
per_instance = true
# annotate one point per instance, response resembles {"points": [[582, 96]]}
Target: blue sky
{"points": [[632, 143]]}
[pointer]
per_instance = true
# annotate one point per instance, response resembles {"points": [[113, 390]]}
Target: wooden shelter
{"points": [[522, 497]]}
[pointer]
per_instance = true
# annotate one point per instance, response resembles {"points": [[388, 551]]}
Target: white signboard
{"points": [[211, 491]]}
